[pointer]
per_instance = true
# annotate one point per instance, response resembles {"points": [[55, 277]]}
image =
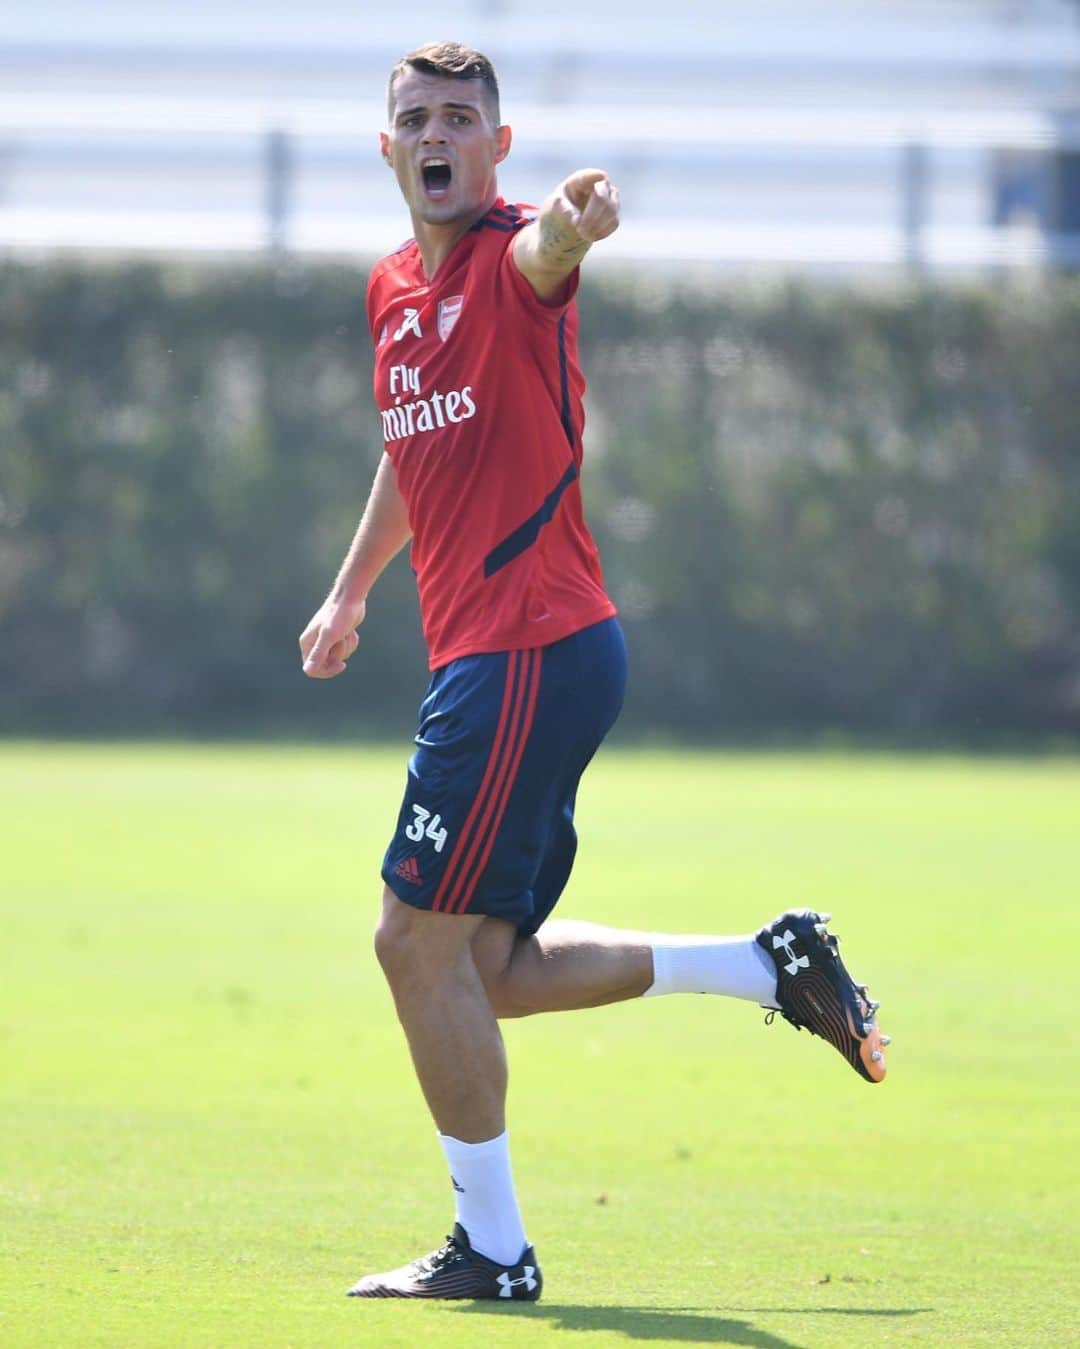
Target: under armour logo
{"points": [[797, 962], [506, 1283], [410, 325]]}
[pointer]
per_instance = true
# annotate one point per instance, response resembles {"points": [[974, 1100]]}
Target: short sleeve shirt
{"points": [[480, 392]]}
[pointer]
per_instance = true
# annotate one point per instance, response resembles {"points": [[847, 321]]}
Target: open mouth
{"points": [[436, 176]]}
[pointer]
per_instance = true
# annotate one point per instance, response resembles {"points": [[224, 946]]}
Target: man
{"points": [[480, 394]]}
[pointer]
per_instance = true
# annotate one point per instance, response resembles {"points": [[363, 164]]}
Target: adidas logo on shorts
{"points": [[409, 871]]}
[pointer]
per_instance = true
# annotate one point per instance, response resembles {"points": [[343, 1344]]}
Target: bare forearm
{"points": [[559, 247], [381, 534], [331, 637], [580, 211]]}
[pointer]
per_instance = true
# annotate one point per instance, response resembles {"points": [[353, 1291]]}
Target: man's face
{"points": [[443, 146]]}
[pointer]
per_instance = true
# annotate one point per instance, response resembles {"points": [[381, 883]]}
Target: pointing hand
{"points": [[589, 203]]}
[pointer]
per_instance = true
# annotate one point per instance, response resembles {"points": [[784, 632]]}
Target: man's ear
{"points": [[384, 146], [503, 137]]}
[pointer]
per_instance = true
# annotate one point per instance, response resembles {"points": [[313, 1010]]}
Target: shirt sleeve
{"points": [[512, 280]]}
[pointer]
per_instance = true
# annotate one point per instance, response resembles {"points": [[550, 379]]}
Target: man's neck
{"points": [[437, 242]]}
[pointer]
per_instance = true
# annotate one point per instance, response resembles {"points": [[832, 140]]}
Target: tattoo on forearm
{"points": [[555, 238]]}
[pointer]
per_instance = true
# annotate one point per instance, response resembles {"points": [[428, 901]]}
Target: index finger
{"points": [[582, 182], [317, 655]]}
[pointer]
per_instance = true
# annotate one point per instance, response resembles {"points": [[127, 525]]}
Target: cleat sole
{"points": [[872, 1055], [819, 995]]}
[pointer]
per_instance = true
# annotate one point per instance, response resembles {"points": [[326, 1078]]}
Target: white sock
{"points": [[487, 1206], [734, 966]]}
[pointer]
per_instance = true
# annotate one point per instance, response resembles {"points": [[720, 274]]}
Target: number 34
{"points": [[426, 823]]}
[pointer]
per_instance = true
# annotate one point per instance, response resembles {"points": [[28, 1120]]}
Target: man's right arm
{"points": [[331, 638], [583, 209]]}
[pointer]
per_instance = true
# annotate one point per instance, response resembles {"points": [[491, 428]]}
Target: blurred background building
{"points": [[843, 133]]}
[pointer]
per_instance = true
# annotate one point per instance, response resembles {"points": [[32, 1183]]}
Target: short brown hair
{"points": [[452, 61]]}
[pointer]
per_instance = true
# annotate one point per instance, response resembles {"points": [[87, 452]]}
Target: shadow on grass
{"points": [[693, 1325], [836, 1311]]}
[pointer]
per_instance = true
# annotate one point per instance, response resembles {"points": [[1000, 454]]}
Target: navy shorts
{"points": [[487, 823]]}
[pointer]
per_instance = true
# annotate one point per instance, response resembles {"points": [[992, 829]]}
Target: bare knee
{"points": [[395, 943], [389, 945], [416, 948]]}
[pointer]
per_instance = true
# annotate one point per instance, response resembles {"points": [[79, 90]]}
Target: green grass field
{"points": [[210, 1128]]}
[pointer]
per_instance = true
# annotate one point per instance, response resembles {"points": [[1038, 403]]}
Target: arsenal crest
{"points": [[447, 315]]}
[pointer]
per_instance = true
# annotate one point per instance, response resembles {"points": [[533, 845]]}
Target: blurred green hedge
{"points": [[821, 508]]}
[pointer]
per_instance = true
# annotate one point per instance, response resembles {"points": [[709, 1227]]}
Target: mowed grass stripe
{"points": [[210, 1126]]}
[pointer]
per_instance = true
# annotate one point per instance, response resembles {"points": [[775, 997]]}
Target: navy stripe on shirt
{"points": [[526, 534], [564, 385], [503, 227]]}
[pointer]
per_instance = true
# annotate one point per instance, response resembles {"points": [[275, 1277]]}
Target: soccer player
{"points": [[480, 394]]}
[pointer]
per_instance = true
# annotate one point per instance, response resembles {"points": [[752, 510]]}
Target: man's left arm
{"points": [[583, 209]]}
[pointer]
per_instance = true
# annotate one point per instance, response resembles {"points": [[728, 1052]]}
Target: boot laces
{"points": [[447, 1254]]}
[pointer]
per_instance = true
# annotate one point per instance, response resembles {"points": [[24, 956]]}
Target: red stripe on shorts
{"points": [[458, 856], [489, 826]]}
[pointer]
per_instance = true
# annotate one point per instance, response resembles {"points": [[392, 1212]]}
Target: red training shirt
{"points": [[480, 392]]}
